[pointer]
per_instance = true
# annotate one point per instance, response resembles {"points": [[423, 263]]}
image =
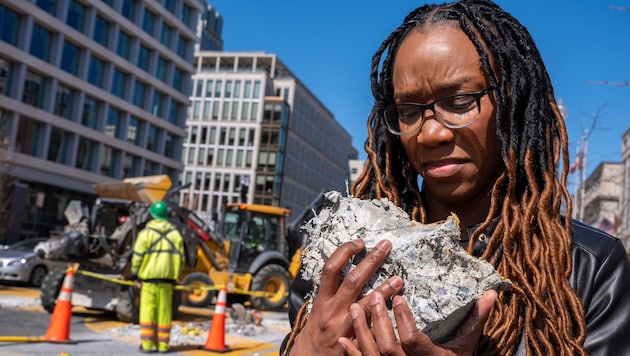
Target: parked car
{"points": [[19, 263]]}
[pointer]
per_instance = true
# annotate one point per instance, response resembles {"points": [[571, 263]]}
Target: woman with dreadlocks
{"points": [[463, 100]]}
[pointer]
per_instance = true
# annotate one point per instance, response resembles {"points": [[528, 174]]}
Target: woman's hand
{"points": [[330, 318], [381, 340]]}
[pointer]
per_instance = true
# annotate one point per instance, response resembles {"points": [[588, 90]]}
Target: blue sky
{"points": [[328, 44]]}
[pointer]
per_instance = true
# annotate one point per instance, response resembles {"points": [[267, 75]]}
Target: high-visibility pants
{"points": [[156, 301]]}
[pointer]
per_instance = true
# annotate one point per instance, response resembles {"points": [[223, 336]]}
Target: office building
{"points": [[256, 134], [90, 92]]}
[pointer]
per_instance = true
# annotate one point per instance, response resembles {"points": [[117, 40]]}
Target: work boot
{"points": [[147, 347], [162, 347]]}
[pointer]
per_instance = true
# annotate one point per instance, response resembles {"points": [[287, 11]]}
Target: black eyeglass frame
{"points": [[431, 106]]}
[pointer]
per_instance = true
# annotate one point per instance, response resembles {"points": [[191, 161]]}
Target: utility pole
{"points": [[582, 174]]}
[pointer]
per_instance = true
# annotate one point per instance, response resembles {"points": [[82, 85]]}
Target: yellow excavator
{"points": [[249, 252]]}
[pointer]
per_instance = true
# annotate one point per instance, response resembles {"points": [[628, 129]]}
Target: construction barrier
{"points": [[59, 327], [216, 336], [254, 293]]}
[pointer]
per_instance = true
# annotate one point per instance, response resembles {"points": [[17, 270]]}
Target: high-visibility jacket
{"points": [[158, 253]]}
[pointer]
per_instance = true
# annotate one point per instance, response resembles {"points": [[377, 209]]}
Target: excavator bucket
{"points": [[146, 189]]}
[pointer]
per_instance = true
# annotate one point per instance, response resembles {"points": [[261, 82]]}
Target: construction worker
{"points": [[158, 258]]}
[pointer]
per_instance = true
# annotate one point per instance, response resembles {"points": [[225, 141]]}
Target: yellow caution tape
{"points": [[207, 287]]}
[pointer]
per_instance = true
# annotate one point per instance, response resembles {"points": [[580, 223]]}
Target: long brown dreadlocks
{"points": [[531, 244]]}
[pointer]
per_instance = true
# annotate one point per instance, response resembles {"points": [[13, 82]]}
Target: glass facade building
{"points": [[255, 133], [90, 92]]}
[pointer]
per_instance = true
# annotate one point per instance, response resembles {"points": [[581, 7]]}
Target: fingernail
{"points": [[384, 245], [354, 312], [397, 301], [358, 242], [396, 282]]}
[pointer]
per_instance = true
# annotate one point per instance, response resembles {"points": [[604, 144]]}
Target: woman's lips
{"points": [[442, 169]]}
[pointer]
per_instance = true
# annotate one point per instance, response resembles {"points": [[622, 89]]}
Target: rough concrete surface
{"points": [[442, 281]]}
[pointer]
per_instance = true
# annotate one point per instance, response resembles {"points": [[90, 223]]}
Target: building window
{"points": [[158, 104], [119, 85], [256, 89], [50, 6], [161, 69], [152, 139], [182, 47], [151, 168], [209, 88], [110, 160], [9, 26], [40, 43], [34, 89], [245, 112], [148, 24], [167, 34], [30, 134], [85, 152], [131, 165], [95, 75], [217, 89], [90, 112], [206, 109], [76, 15], [101, 31], [124, 45], [248, 89], [70, 58], [143, 58], [58, 146], [113, 127], [178, 82], [228, 88], [237, 89], [133, 131], [226, 110], [139, 94], [169, 145], [213, 135], [191, 155], [64, 102], [129, 9]]}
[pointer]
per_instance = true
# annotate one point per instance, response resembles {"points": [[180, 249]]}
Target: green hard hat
{"points": [[159, 210]]}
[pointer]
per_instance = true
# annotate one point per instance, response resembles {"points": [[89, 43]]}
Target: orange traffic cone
{"points": [[59, 328], [216, 336]]}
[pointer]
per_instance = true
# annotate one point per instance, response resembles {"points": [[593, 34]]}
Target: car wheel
{"points": [[37, 275]]}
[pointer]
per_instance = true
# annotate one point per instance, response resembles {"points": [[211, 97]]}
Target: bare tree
{"points": [[7, 182]]}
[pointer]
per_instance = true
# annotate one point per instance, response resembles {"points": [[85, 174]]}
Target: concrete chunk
{"points": [[442, 281]]}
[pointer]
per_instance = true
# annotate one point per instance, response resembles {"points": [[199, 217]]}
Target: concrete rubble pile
{"points": [[442, 281]]}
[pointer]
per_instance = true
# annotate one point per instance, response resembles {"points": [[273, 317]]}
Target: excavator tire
{"points": [[51, 285], [197, 297], [272, 279]]}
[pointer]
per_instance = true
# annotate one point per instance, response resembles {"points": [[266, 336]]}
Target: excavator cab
{"points": [[253, 234]]}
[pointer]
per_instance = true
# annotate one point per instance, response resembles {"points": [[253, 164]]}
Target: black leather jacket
{"points": [[600, 275]]}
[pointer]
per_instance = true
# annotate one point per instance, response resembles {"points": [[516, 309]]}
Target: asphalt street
{"points": [[98, 333]]}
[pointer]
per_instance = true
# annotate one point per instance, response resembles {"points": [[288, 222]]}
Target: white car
{"points": [[19, 263]]}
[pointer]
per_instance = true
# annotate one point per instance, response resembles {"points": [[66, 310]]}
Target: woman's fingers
{"points": [[331, 272], [382, 326], [411, 339], [388, 289], [467, 335], [353, 283]]}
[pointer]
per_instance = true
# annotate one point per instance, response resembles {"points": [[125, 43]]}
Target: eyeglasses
{"points": [[453, 111]]}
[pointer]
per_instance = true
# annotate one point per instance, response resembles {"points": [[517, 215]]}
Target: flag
{"points": [[578, 164], [580, 158]]}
